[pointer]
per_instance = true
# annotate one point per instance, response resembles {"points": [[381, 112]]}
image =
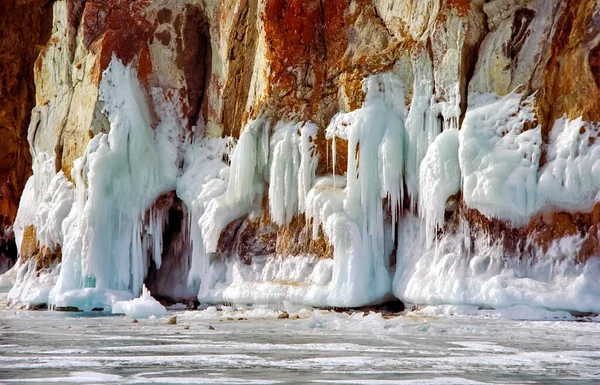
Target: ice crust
{"points": [[110, 232]]}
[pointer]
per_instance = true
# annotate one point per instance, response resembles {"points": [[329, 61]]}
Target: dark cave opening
{"points": [[168, 283]]}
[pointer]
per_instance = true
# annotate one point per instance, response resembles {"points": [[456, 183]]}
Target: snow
{"points": [[499, 158], [142, 307]]}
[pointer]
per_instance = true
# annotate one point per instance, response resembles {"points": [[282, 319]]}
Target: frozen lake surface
{"points": [[254, 347]]}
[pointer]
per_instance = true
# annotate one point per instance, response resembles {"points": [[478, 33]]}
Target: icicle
{"points": [[355, 225], [333, 157], [293, 169], [308, 163], [421, 124]]}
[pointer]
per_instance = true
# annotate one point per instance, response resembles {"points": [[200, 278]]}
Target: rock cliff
{"points": [[331, 153]]}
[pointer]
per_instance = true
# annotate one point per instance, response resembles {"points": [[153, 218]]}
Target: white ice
{"points": [[570, 178], [439, 179], [142, 307], [483, 274], [499, 158]]}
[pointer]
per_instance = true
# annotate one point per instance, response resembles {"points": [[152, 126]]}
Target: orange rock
{"points": [[26, 26], [30, 248]]}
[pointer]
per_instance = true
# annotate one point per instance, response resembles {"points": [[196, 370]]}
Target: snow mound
{"points": [[142, 307]]}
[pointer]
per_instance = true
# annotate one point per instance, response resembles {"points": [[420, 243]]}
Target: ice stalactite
{"points": [[119, 176], [235, 193], [203, 179], [422, 124], [292, 172], [358, 230], [283, 187]]}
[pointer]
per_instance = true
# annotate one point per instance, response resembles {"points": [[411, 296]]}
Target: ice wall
{"points": [[494, 162]]}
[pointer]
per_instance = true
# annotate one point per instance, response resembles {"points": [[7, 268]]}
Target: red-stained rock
{"points": [[24, 28], [194, 57]]}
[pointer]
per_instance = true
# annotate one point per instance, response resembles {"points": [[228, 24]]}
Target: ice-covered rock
{"points": [[270, 151]]}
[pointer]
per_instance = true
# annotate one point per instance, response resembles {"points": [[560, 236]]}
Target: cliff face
{"points": [[323, 152], [22, 36]]}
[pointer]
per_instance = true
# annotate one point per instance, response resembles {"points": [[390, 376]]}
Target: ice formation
{"points": [[143, 307], [422, 125], [499, 157], [119, 176], [485, 275], [45, 203], [349, 209], [439, 179], [111, 227], [571, 175], [234, 193], [202, 180], [293, 168]]}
